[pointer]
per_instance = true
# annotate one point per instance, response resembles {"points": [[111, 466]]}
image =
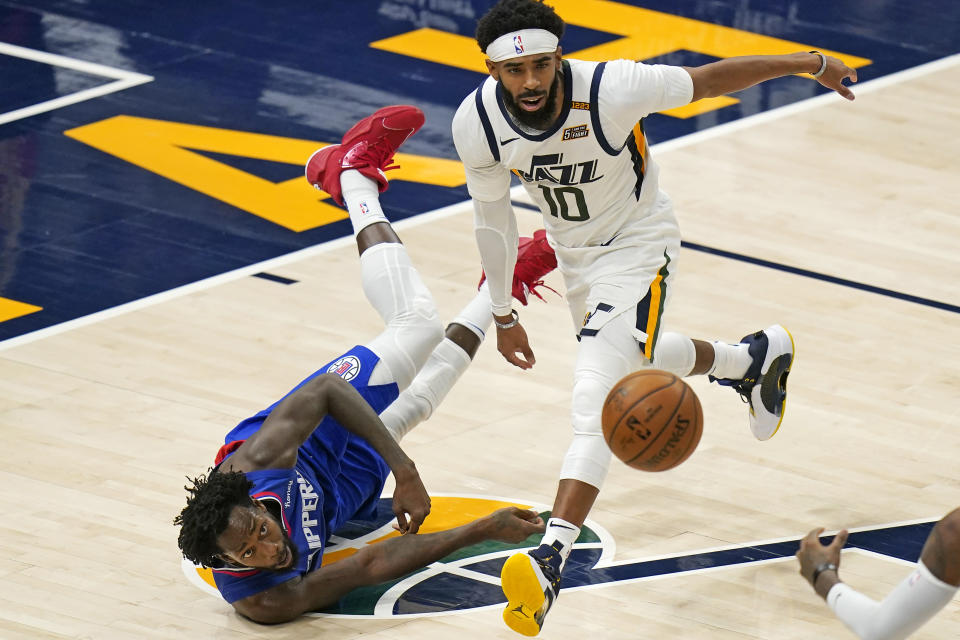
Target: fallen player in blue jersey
{"points": [[289, 476]]}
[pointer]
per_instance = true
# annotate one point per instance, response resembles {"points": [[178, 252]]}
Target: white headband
{"points": [[522, 43]]}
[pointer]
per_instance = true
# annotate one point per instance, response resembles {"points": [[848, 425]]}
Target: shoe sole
{"points": [[306, 167], [524, 594], [783, 408]]}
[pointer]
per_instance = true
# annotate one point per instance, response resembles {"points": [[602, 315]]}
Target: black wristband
{"points": [[826, 566]]}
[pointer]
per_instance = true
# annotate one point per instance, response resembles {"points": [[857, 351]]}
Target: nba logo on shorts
{"points": [[346, 367], [518, 44]]}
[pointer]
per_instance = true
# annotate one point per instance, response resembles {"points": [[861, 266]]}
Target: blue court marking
{"points": [[82, 231], [274, 278], [438, 590], [27, 82], [449, 592], [821, 276]]}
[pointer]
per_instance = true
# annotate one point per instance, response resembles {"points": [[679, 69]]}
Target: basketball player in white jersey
{"points": [[572, 132]]}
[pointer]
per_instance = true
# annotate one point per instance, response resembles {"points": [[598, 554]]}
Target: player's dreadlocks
{"points": [[513, 15], [206, 515]]}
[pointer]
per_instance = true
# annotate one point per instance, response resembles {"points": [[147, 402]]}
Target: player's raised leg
{"points": [[535, 259], [353, 174], [756, 368]]}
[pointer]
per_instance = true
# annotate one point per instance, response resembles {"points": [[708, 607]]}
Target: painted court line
{"points": [[843, 282], [223, 278], [122, 80], [462, 207]]}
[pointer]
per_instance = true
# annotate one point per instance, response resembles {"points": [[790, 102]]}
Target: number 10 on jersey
{"points": [[558, 199]]}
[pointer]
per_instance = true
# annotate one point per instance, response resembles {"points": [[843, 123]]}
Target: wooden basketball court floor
{"points": [[102, 422]]}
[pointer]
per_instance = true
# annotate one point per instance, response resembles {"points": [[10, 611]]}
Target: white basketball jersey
{"points": [[591, 174]]}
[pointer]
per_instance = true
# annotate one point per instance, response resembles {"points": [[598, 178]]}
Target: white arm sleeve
{"points": [[905, 609], [495, 226]]}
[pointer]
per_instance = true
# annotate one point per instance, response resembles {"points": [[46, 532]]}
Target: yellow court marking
{"points": [[700, 106], [167, 148], [645, 34], [10, 309], [445, 513], [449, 49]]}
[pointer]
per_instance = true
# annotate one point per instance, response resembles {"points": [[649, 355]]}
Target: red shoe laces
{"points": [[531, 288], [532, 266], [379, 154]]}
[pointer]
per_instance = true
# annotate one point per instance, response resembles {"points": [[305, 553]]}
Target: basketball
{"points": [[652, 420]]}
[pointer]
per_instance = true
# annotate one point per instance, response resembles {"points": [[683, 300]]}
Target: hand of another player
{"points": [[512, 341], [813, 553], [513, 524], [834, 75], [410, 498]]}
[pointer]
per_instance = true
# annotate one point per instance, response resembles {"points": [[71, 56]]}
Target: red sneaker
{"points": [[535, 259], [367, 147]]}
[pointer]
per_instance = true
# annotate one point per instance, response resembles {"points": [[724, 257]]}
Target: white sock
{"points": [[563, 532], [477, 316], [362, 198], [730, 360], [430, 386]]}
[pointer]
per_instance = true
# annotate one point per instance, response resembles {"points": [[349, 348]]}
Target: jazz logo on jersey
{"points": [[550, 168], [346, 367], [579, 131], [586, 318]]}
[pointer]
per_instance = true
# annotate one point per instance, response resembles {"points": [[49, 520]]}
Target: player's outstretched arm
{"points": [[910, 604], [735, 74], [275, 444], [380, 562]]}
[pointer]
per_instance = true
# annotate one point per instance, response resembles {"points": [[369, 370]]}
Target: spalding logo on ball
{"points": [[652, 420]]}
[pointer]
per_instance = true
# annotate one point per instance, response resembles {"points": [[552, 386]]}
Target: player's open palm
{"points": [[411, 503], [513, 341]]}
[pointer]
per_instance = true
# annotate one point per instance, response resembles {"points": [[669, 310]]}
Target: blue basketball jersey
{"points": [[338, 477]]}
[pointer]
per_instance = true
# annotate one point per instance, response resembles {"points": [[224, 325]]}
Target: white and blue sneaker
{"points": [[764, 386], [531, 582]]}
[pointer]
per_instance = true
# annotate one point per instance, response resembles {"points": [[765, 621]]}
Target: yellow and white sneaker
{"points": [[531, 582]]}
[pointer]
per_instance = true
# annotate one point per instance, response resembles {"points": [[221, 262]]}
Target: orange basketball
{"points": [[652, 420]]}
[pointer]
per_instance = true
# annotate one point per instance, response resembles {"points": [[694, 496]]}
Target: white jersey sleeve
{"points": [[631, 90], [487, 179]]}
